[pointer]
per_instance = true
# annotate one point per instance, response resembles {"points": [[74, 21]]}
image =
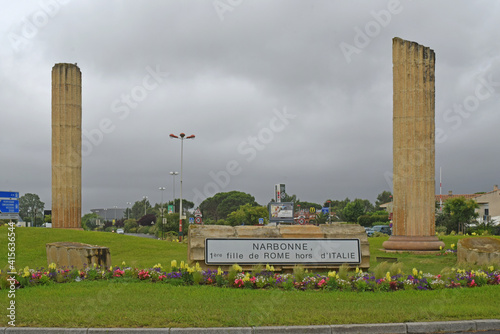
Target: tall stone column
{"points": [[66, 146], [413, 148]]}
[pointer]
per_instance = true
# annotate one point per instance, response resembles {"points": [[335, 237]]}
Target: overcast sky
{"points": [[294, 92]]}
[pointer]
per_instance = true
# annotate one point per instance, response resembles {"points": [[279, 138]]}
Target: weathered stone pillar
{"points": [[66, 146], [413, 148]]}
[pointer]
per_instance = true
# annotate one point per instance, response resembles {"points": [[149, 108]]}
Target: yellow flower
{"points": [[491, 268], [237, 268], [357, 270], [440, 247], [52, 266], [414, 272], [246, 278], [173, 263], [26, 272], [332, 274], [473, 233], [198, 267], [182, 265], [95, 265], [123, 263], [452, 246], [157, 265], [388, 276], [220, 271]]}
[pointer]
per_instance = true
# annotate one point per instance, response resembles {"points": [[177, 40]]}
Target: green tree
{"points": [[458, 213], [354, 209], [221, 205], [139, 207], [337, 208], [89, 221], [247, 215], [383, 197], [31, 208]]}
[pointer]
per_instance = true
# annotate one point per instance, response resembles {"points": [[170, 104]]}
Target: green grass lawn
{"points": [[139, 304], [145, 304], [135, 251]]}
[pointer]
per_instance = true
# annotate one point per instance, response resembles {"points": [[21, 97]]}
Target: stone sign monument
{"points": [[320, 247]]}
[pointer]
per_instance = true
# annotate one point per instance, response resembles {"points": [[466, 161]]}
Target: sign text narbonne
{"points": [[282, 251]]}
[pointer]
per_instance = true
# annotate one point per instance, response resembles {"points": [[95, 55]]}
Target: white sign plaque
{"points": [[282, 251]]}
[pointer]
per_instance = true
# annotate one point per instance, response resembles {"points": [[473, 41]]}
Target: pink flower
{"points": [[472, 284], [118, 273], [321, 283], [253, 279], [144, 274]]}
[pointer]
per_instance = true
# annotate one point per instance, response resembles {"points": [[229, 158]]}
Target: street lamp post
{"points": [[128, 211], [145, 198], [329, 212], [181, 136], [173, 188], [161, 209]]}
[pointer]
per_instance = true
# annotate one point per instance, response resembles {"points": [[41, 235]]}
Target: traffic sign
{"points": [[301, 221], [325, 211], [261, 221], [198, 220], [9, 216], [191, 220], [9, 194], [9, 206]]}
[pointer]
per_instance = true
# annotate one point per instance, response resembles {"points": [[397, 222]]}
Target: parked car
{"points": [[369, 231], [386, 229], [119, 231]]}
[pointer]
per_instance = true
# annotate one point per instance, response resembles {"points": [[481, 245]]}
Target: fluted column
{"points": [[66, 146], [413, 148]]}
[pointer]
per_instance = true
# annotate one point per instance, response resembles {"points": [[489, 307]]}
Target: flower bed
{"points": [[385, 277]]}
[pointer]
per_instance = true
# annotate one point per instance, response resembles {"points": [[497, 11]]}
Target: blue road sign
{"points": [[9, 194], [324, 211], [261, 221], [9, 206], [191, 220]]}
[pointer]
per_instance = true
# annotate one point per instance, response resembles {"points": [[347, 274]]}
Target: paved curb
{"points": [[398, 328]]}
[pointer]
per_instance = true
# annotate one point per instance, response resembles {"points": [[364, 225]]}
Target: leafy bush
{"points": [[143, 229], [441, 230], [146, 220], [129, 224], [370, 220]]}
